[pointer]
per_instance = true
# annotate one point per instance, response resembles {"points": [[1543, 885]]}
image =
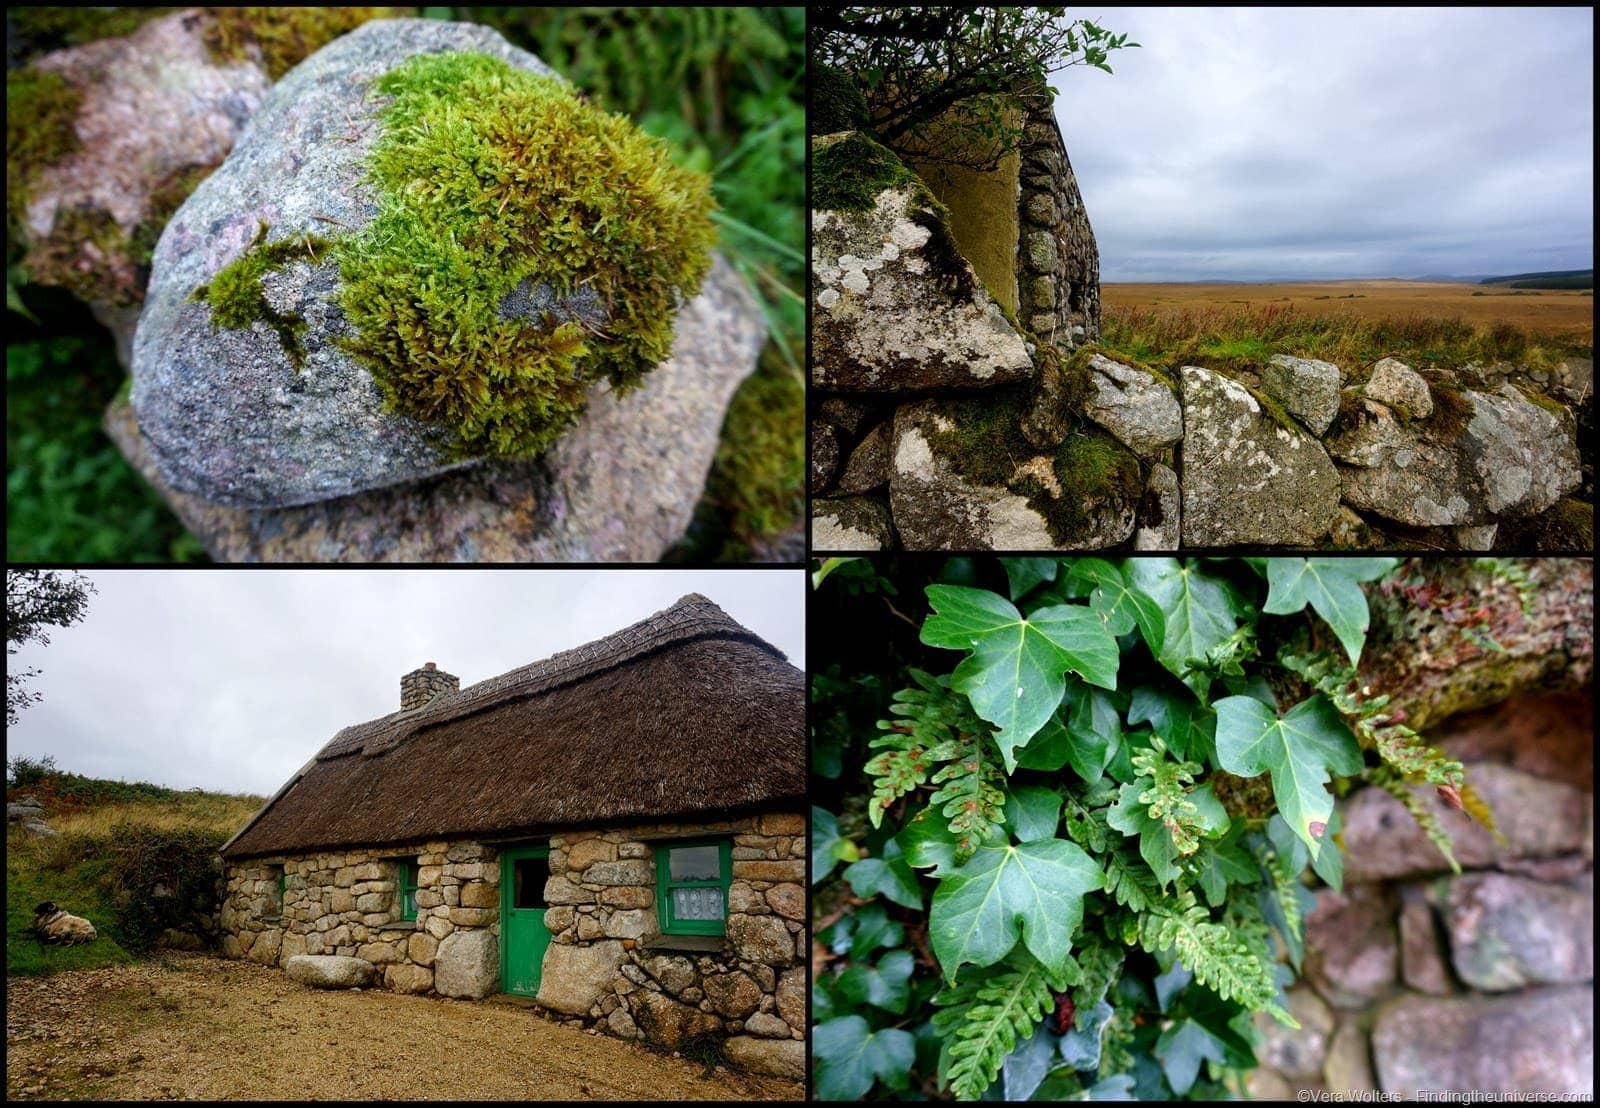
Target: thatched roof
{"points": [[685, 715]]}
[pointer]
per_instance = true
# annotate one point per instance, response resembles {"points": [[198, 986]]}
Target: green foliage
{"points": [[162, 878], [1156, 799], [918, 63], [980, 1024], [836, 103], [847, 175], [1015, 672], [23, 771], [850, 1057], [70, 497]]}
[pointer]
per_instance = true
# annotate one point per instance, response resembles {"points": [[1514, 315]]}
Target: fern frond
{"points": [[1385, 778], [1130, 882], [937, 727], [1167, 797], [1218, 959], [1285, 891], [982, 1023]]}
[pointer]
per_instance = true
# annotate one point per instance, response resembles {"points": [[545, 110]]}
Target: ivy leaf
{"points": [[1299, 751], [1181, 721], [1024, 574], [1015, 672], [1035, 889], [860, 933], [1170, 984], [1025, 1068], [1033, 812], [1223, 863], [1199, 611], [1180, 1050], [1122, 608], [1330, 585], [886, 985], [1085, 732], [1080, 1047], [828, 849], [1329, 862], [926, 840], [889, 876], [850, 1057]]}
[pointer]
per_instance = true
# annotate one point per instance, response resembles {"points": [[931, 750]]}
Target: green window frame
{"points": [[405, 887], [665, 885]]}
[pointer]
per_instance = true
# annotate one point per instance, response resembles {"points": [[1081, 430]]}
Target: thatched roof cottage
{"points": [[615, 832]]}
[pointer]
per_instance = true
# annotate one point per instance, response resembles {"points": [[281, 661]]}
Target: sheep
{"points": [[56, 926]]}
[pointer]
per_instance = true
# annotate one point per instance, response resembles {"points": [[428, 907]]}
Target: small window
{"points": [[692, 881], [405, 887], [528, 878]]}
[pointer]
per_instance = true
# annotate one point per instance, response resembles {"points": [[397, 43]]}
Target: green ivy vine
{"points": [[1071, 860]]}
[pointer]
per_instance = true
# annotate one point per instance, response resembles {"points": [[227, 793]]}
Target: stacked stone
{"points": [[609, 968], [1058, 263], [1417, 978], [343, 904]]}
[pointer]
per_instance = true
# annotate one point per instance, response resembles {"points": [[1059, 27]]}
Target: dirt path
{"points": [[195, 1027]]}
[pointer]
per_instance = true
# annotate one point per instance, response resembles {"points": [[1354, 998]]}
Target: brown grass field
{"points": [[1565, 313]]}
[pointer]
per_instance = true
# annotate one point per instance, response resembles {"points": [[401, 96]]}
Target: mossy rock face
{"points": [[965, 478], [1478, 457], [896, 308], [460, 256]]}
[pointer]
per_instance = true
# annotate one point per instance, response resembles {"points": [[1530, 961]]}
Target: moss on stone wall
{"points": [[41, 114], [848, 175], [1089, 471]]}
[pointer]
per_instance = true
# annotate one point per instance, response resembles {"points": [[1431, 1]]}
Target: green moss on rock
{"points": [[493, 182], [1090, 472], [41, 116], [238, 300], [848, 175], [836, 103], [1452, 411], [281, 38]]}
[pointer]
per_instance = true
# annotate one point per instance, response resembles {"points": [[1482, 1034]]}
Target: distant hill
{"points": [[1556, 279]]}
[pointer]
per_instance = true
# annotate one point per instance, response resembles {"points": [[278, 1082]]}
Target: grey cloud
{"points": [[231, 679], [1258, 143]]}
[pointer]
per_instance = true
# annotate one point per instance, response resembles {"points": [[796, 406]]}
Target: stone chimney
{"points": [[422, 685]]}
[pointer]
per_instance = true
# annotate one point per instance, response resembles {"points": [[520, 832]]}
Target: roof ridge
{"points": [[692, 616]]}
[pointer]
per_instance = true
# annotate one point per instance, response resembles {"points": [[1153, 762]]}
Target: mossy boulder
{"points": [[895, 307], [964, 477], [1307, 388], [836, 102], [1480, 456], [425, 251], [1250, 477]]}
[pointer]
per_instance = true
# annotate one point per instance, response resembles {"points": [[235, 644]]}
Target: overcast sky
{"points": [[232, 679], [1267, 143]]}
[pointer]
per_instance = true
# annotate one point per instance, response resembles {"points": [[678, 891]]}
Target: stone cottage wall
{"points": [[343, 902], [609, 967], [1058, 263], [1420, 979]]}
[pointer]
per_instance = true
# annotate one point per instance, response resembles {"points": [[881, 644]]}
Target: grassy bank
{"points": [[117, 842]]}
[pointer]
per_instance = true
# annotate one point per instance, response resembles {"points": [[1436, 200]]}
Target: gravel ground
{"points": [[194, 1027]]}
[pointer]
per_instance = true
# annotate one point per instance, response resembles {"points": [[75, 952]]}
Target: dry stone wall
{"points": [[344, 903], [1058, 263], [608, 965], [1420, 979]]}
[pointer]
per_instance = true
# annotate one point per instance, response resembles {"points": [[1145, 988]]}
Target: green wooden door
{"points": [[523, 935]]}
